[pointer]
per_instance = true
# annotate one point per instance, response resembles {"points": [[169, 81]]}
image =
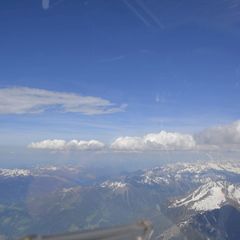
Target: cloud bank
{"points": [[58, 144], [22, 100], [155, 141], [225, 137]]}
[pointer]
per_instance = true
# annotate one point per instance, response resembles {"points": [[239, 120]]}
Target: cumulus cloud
{"points": [[58, 144], [55, 144], [20, 100], [225, 136], [128, 143], [85, 145], [155, 141]]}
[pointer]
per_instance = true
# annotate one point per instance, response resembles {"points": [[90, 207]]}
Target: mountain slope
{"points": [[54, 199], [211, 195], [218, 224]]}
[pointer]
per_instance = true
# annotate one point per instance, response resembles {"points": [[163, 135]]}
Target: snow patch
{"points": [[14, 172], [113, 185], [209, 196]]}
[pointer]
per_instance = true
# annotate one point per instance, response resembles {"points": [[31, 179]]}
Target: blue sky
{"points": [[174, 64]]}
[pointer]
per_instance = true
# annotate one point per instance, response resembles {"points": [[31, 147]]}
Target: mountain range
{"points": [[183, 200]]}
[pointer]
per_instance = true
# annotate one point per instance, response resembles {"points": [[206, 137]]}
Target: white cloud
{"points": [[169, 140], [225, 136], [55, 144], [85, 145], [20, 100], [155, 141], [61, 145], [128, 144]]}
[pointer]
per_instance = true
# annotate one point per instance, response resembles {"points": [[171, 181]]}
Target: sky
{"points": [[115, 72]]}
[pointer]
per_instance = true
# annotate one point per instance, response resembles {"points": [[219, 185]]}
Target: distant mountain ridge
{"points": [[183, 200]]}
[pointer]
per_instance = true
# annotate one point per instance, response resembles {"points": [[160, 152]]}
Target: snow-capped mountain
{"points": [[197, 173], [113, 185], [14, 172], [209, 196], [176, 197]]}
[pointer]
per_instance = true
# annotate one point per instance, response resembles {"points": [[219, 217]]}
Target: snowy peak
{"points": [[152, 177], [209, 196], [116, 185], [199, 173], [14, 172], [200, 167]]}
